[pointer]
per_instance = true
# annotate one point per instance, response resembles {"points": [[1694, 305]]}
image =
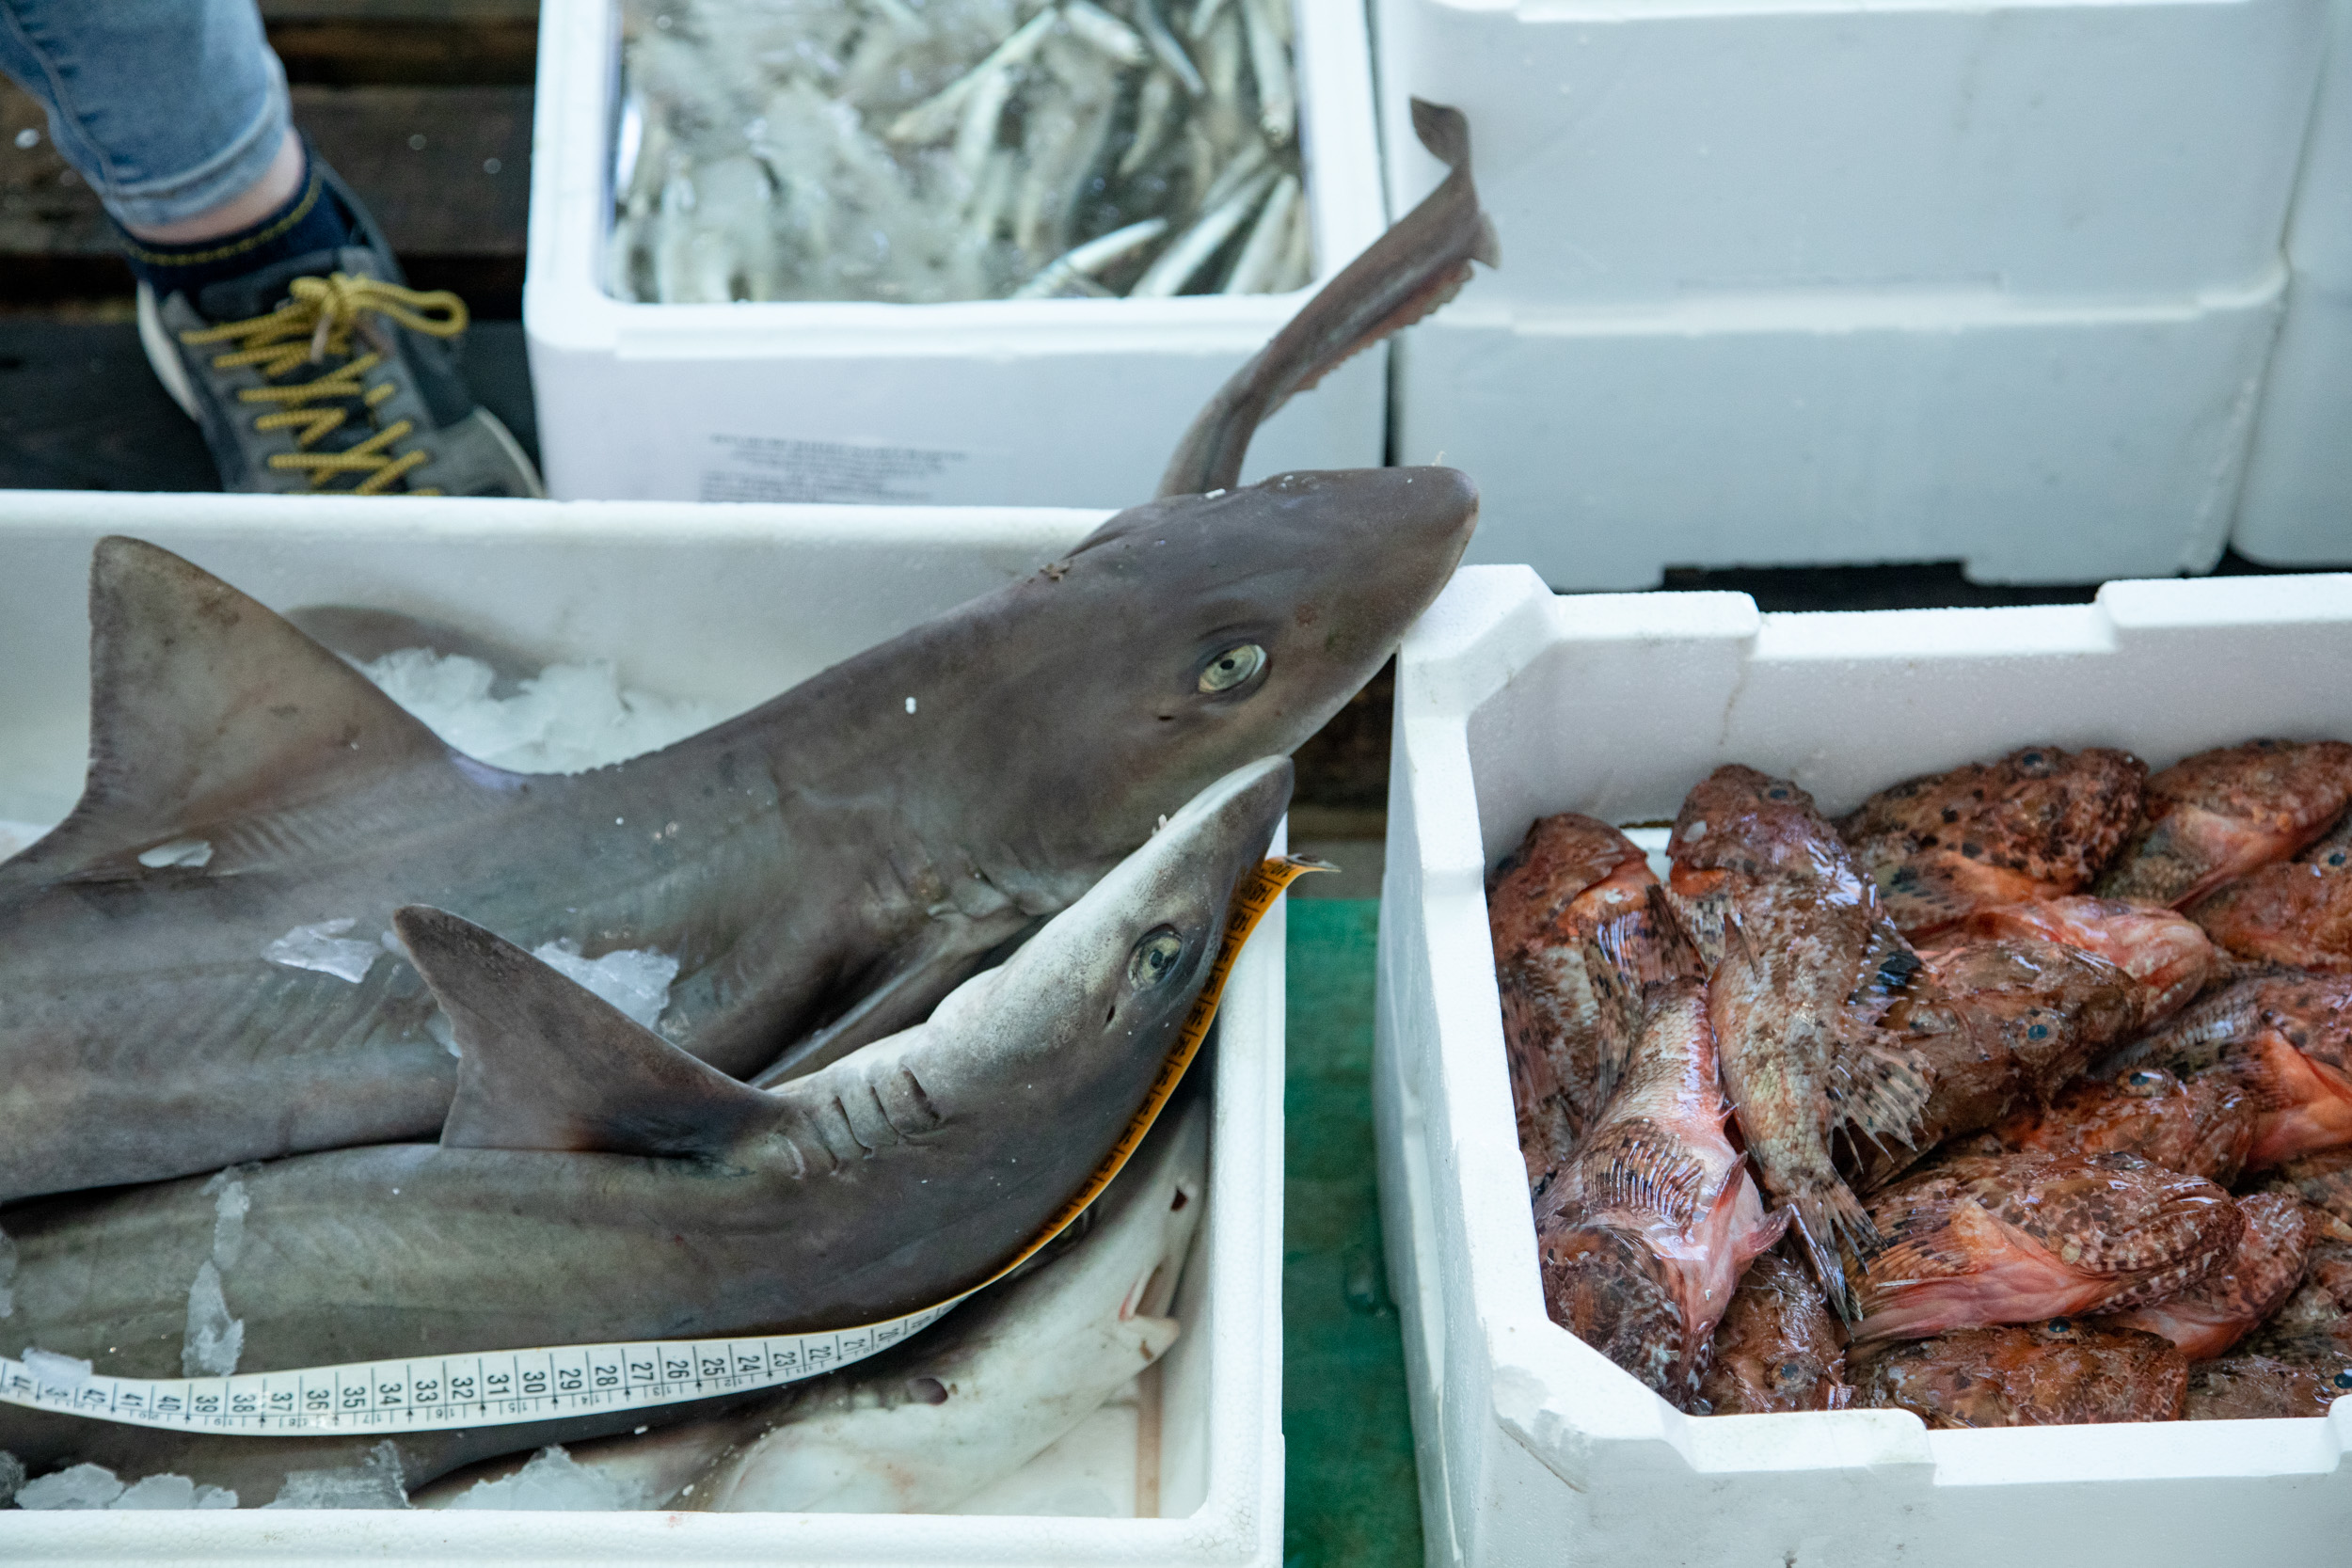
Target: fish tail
{"points": [[1825, 1215], [1418, 265]]}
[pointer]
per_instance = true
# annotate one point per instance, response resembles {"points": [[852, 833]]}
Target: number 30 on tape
{"points": [[503, 1387]]}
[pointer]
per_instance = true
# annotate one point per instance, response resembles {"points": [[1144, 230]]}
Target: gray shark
{"points": [[595, 1183], [923, 1426], [824, 867]]}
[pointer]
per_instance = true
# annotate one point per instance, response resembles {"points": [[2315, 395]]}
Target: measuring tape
{"points": [[504, 1388]]}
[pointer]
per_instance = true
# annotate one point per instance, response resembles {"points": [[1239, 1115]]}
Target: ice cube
{"points": [[12, 1476], [82, 1487], [214, 1340], [374, 1482], [172, 1491], [228, 1211], [56, 1374], [180, 851], [324, 948], [634, 979], [553, 1481], [565, 718]]}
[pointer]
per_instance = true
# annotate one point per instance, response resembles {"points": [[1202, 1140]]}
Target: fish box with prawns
{"points": [[1515, 705]]}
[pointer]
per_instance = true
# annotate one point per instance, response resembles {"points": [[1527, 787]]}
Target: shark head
{"points": [[1191, 634], [1113, 976]]}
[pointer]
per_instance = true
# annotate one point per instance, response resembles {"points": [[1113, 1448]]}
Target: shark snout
{"points": [[1425, 515]]}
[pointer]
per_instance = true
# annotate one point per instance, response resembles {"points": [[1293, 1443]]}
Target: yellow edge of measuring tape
{"points": [[1256, 895], [505, 1388]]}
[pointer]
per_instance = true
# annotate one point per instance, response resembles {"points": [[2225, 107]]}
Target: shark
{"points": [[595, 1183], [825, 868], [924, 1426]]}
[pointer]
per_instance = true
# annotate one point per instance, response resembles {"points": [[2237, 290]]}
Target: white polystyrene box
{"points": [[2296, 505], [2031, 443], [2296, 508], [730, 606], [1511, 703], [1640, 153], [2319, 234], [1052, 403]]}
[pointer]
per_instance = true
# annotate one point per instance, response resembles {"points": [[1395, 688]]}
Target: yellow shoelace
{"points": [[315, 324]]}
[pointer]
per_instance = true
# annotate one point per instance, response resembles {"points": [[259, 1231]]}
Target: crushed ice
{"points": [[180, 851], [167, 1491], [214, 1340], [79, 1486], [565, 718], [229, 1211], [553, 1481], [634, 979], [56, 1374], [94, 1486], [374, 1482], [324, 948]]}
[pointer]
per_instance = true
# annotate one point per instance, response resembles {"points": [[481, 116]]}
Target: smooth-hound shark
{"points": [[824, 867]]}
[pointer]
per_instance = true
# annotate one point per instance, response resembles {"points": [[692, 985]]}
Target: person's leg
{"points": [[170, 109], [243, 241]]}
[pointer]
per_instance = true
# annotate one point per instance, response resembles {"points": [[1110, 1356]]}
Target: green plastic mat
{"points": [[1348, 1438]]}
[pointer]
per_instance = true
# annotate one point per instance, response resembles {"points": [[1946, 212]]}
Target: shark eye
{"points": [[1232, 668], [1154, 957]]}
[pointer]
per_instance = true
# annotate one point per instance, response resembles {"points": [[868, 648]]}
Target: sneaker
{"points": [[326, 374]]}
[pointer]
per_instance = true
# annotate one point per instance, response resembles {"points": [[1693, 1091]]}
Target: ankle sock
{"points": [[311, 220]]}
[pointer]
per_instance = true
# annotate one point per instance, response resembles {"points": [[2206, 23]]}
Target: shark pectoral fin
{"points": [[205, 706], [545, 1063]]}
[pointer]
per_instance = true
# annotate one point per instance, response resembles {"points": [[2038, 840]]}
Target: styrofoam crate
{"points": [[1513, 702], [2032, 444], [2319, 234], [1641, 153], [730, 606], [1051, 403], [2296, 508]]}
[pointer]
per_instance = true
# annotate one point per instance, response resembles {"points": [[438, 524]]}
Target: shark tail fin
{"points": [[206, 709], [545, 1063], [1419, 264]]}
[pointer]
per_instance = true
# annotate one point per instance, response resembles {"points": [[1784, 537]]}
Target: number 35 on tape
{"points": [[504, 1388]]}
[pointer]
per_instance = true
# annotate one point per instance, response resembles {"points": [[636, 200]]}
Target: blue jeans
{"points": [[166, 107]]}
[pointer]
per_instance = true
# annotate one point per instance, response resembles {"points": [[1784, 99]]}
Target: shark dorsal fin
{"points": [[206, 706], [548, 1065]]}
